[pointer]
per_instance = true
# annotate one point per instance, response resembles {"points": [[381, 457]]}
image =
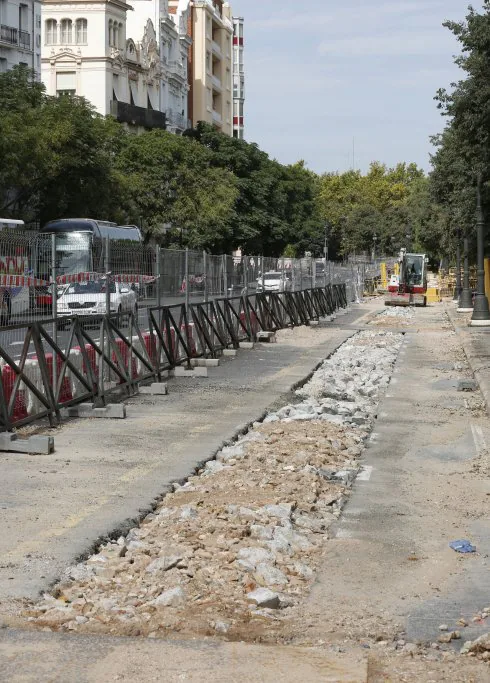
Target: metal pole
{"points": [[465, 300], [313, 272], [158, 276], [187, 280], [262, 272], [457, 289], [245, 274], [107, 277], [481, 312], [205, 275], [225, 275], [54, 306], [300, 276], [293, 274]]}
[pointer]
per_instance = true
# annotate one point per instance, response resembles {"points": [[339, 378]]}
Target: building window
{"points": [[66, 83], [81, 31], [51, 31], [66, 31], [111, 33], [23, 17], [120, 41], [208, 62]]}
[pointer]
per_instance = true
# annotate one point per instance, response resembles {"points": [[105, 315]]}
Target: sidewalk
{"points": [[35, 657], [476, 344], [105, 475]]}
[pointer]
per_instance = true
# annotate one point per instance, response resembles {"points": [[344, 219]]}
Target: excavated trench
{"points": [[235, 549]]}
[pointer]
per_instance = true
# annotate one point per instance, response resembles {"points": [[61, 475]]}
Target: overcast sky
{"points": [[321, 73]]}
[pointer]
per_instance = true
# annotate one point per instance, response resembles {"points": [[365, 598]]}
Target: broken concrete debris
{"points": [[233, 551]]}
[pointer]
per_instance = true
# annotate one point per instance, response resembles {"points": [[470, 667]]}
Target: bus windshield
{"points": [[73, 253]]}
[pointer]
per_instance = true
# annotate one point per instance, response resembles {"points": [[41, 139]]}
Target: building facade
{"points": [[210, 61], [86, 52], [20, 34], [238, 79], [173, 43]]}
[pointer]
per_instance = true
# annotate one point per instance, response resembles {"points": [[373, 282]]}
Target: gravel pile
{"points": [[236, 547], [394, 316]]}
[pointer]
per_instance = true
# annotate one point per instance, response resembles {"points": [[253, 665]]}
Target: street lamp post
{"points": [[457, 289], [481, 313], [375, 239], [465, 301]]}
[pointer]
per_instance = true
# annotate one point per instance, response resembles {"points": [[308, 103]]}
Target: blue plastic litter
{"points": [[462, 546]]}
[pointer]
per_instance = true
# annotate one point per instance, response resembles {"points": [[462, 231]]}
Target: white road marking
{"points": [[479, 439], [365, 473]]}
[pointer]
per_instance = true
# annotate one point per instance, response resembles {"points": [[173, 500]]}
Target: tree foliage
{"points": [[204, 190], [462, 150]]}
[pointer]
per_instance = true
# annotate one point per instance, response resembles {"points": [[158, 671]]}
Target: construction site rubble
{"points": [[396, 316], [233, 550]]}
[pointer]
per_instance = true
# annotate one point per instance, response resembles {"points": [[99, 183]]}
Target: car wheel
{"points": [[5, 310]]}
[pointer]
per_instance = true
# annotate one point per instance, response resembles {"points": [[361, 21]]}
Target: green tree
{"points": [[171, 181]]}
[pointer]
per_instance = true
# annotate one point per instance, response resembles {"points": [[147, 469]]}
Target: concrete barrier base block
{"points": [[229, 352], [314, 323], [193, 372], [115, 411], [247, 345], [155, 389], [34, 444], [205, 362], [267, 337]]}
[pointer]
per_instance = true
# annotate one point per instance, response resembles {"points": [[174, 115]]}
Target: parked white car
{"points": [[274, 281], [89, 298]]}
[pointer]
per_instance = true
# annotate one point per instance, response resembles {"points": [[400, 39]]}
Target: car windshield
{"points": [[92, 287], [272, 276]]}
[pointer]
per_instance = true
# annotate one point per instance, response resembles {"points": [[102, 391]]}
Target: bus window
{"points": [[10, 224]]}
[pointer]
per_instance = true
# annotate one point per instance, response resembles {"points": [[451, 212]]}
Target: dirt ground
{"points": [[276, 512]]}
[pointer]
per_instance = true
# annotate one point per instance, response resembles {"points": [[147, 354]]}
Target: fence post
{"points": [[225, 275], [107, 277], [245, 274], [313, 272], [300, 275], [325, 272], [186, 280], [205, 274], [158, 275], [54, 308], [293, 274], [262, 272]]}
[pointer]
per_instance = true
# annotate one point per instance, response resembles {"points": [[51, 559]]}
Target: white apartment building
{"points": [[238, 79], [20, 34], [141, 80], [173, 45]]}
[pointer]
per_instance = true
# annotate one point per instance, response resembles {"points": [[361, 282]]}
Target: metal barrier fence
{"points": [[67, 361]]}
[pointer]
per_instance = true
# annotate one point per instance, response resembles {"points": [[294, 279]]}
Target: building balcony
{"points": [[25, 40], [178, 69], [216, 82], [138, 116], [216, 48], [217, 117], [177, 120], [9, 35]]}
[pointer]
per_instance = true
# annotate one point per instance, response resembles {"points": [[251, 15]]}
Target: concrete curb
{"points": [[480, 367]]}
